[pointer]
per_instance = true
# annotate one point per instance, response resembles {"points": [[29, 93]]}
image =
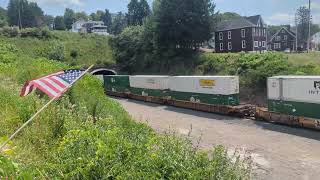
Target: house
{"points": [[76, 26], [315, 42], [283, 40], [246, 34], [96, 27], [99, 29]]}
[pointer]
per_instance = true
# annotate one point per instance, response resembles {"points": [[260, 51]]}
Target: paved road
{"points": [[279, 152]]}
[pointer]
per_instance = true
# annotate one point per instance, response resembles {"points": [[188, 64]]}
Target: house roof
{"points": [[239, 22], [286, 29], [253, 19]]}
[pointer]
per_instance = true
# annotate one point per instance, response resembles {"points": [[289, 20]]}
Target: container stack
{"points": [[221, 90], [295, 95]]}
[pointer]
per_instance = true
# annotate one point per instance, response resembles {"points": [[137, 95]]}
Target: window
{"points": [[229, 34], [221, 46], [277, 45], [253, 31], [259, 32], [243, 44], [243, 33], [260, 44], [229, 46], [285, 37], [263, 44], [278, 38], [221, 35], [256, 44], [264, 32]]}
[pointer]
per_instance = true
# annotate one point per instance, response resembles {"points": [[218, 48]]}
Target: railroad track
{"points": [[243, 110]]}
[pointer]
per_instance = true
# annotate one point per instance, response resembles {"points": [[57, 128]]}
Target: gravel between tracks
{"points": [[278, 152]]}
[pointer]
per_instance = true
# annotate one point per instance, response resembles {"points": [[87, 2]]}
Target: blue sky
{"points": [[273, 11]]}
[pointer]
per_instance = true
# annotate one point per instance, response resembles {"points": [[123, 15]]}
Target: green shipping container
{"points": [[301, 109], [150, 92], [231, 100], [117, 83]]}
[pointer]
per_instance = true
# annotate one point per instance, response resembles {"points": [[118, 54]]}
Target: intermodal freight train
{"points": [[292, 100]]}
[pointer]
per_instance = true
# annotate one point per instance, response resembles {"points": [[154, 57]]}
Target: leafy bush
{"points": [[10, 31], [74, 53], [10, 170], [30, 32], [55, 51], [7, 53], [253, 69]]}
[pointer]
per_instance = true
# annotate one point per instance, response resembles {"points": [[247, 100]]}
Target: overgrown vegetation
{"points": [[253, 69], [85, 135], [167, 37], [72, 48]]}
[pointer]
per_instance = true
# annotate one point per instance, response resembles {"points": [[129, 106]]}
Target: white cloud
{"points": [[64, 3], [280, 18]]}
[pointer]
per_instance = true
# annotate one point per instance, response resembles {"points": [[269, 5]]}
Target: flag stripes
{"points": [[53, 85]]}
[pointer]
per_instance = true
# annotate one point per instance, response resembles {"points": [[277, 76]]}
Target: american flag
{"points": [[54, 85]]}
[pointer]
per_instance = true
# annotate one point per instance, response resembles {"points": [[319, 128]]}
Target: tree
{"points": [[59, 23], [3, 17], [137, 12], [98, 16], [49, 21], [127, 47], [119, 23], [81, 15], [24, 14], [69, 18], [302, 24], [186, 28], [228, 16], [107, 19]]}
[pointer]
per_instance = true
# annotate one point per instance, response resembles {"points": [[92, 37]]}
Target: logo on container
{"points": [[207, 83], [316, 90]]}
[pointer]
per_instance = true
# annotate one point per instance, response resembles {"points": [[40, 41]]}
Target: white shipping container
{"points": [[222, 85], [294, 88], [149, 82]]}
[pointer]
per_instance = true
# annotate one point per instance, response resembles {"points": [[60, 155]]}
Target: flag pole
{"points": [[40, 110]]}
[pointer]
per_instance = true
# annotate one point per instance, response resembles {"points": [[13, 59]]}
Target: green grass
{"points": [[304, 58], [92, 49], [64, 143]]}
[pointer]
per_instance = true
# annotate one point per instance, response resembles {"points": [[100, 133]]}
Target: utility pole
{"points": [[297, 25], [309, 36]]}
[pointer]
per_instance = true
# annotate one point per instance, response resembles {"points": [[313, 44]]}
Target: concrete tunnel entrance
{"points": [[103, 72]]}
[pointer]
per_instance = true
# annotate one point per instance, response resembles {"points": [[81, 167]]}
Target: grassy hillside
{"points": [[87, 49], [304, 58], [64, 143]]}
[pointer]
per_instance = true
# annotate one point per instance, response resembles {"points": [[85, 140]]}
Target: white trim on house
{"points": [[221, 36], [229, 35], [229, 46], [243, 33], [243, 44], [221, 46]]}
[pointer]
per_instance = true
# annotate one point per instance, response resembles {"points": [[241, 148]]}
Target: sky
{"points": [[274, 12]]}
